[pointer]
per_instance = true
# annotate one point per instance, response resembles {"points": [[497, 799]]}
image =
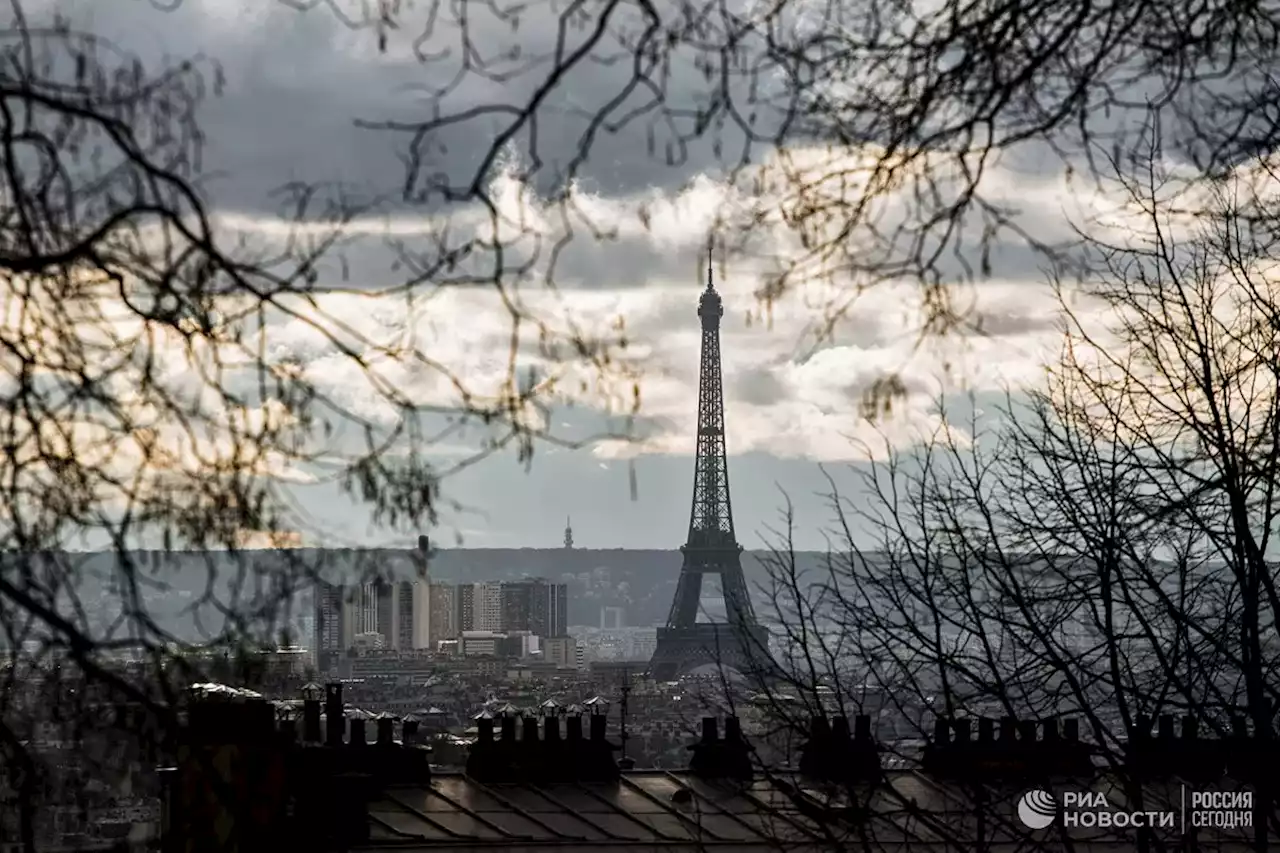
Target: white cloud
{"points": [[815, 410]]}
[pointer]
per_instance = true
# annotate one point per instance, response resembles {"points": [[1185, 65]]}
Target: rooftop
{"points": [[548, 779]]}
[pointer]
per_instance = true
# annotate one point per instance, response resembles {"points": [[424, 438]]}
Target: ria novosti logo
{"points": [[1037, 809]]}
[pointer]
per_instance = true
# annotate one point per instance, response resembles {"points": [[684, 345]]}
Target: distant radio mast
{"points": [[568, 533]]}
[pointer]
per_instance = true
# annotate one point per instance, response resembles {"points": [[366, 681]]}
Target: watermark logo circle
{"points": [[1037, 809]]}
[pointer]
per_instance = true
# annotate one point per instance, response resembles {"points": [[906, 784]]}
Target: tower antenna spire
{"points": [[711, 254]]}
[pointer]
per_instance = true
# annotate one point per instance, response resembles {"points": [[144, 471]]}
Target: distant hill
{"points": [[642, 583]]}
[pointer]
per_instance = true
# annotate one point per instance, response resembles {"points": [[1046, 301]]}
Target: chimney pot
{"points": [[862, 727], [263, 714], [573, 728], [1071, 729], [819, 729], [1239, 727], [335, 720], [1008, 729], [732, 730], [424, 543], [1166, 727], [1027, 731], [1190, 728], [710, 732], [530, 729], [508, 729], [840, 729], [357, 733], [942, 731], [409, 730], [599, 725], [962, 729], [386, 731], [551, 728], [484, 730], [986, 730], [1051, 730], [311, 720], [1142, 726], [289, 730]]}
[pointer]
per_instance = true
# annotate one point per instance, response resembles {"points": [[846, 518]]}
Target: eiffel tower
{"points": [[741, 643]]}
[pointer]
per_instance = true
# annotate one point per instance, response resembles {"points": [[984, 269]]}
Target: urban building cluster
{"points": [[391, 627]]}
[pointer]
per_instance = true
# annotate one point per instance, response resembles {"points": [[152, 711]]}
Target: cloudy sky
{"points": [[296, 85]]}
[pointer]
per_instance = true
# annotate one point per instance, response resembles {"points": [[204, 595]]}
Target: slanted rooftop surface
{"points": [[654, 809]]}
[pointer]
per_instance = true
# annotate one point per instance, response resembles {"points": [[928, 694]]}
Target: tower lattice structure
{"points": [[711, 547]]}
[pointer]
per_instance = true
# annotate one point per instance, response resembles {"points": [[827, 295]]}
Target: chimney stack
{"points": [[733, 730], [573, 728], [819, 730], [484, 730], [834, 756], [386, 730], [1018, 751], [335, 721], [1008, 729], [408, 729], [710, 730], [543, 753], [986, 730], [357, 738], [942, 731], [840, 729], [1169, 756], [716, 758], [311, 721]]}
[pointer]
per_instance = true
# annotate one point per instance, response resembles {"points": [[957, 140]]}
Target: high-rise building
{"points": [[557, 611], [422, 616], [395, 611], [334, 623], [382, 601], [612, 618], [465, 602], [537, 606], [444, 613], [479, 607]]}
